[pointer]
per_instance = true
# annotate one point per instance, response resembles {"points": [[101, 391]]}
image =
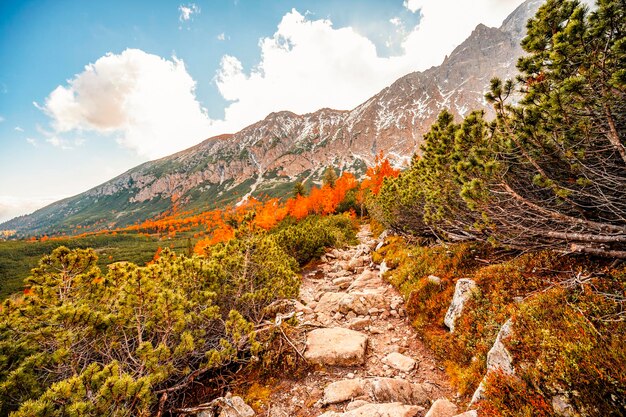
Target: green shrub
{"points": [[308, 239], [83, 343]]}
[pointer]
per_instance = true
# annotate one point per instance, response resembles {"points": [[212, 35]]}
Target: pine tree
{"points": [[329, 177], [298, 190]]}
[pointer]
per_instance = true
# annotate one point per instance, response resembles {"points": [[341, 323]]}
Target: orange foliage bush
{"points": [[377, 174]]}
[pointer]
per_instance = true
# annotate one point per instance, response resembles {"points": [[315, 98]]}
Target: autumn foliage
{"points": [[220, 225], [377, 174]]}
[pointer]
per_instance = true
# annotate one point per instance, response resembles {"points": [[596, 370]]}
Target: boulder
{"points": [[498, 358], [336, 346], [442, 408], [462, 292], [400, 362], [379, 410]]}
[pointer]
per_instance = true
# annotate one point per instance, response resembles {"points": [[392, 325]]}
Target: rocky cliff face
{"points": [[268, 156]]}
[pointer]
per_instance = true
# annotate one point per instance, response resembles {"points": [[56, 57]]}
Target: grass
{"points": [[17, 258]]}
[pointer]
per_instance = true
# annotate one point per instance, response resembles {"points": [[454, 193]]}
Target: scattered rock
{"points": [[400, 362], [442, 408], [462, 292], [336, 346], [342, 282], [359, 324]]}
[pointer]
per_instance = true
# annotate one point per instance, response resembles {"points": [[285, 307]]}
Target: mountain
{"points": [[268, 157]]}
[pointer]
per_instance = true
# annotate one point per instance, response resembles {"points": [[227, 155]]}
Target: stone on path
{"points": [[368, 279], [379, 390], [343, 390], [358, 302], [359, 323], [356, 404], [442, 408], [379, 410], [462, 293], [336, 346], [383, 390], [400, 362]]}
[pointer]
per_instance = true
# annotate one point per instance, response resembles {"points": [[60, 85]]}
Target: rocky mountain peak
{"points": [[267, 157]]}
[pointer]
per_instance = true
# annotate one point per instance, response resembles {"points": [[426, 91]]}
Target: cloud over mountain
{"points": [[146, 102]]}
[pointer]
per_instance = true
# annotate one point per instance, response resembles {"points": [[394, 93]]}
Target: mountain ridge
{"points": [[267, 157]]}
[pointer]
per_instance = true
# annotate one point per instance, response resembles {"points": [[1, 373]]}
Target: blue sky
{"points": [[90, 89]]}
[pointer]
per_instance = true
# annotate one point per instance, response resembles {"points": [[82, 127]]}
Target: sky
{"points": [[90, 89]]}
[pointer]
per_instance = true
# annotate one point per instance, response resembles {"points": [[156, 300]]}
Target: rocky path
{"points": [[369, 361]]}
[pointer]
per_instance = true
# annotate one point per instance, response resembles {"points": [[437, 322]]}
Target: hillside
{"points": [[268, 157]]}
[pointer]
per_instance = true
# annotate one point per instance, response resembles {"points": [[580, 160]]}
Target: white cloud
{"points": [[412, 5], [32, 141], [11, 206], [146, 102], [444, 24], [187, 11], [221, 37], [18, 129], [310, 64]]}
